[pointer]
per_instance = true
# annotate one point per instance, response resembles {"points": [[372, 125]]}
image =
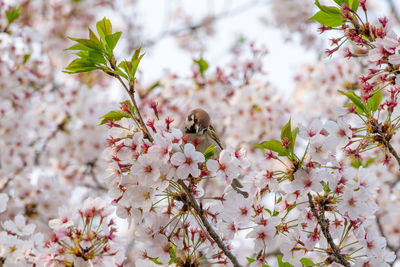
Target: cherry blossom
{"points": [[225, 167], [187, 162]]}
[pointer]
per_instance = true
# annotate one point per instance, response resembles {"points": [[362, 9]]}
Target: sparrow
{"points": [[201, 134]]}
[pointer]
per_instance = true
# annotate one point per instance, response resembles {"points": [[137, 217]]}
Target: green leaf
{"points": [[374, 101], [209, 153], [359, 106], [93, 36], [353, 4], [203, 65], [251, 260], [330, 20], [26, 58], [356, 163], [340, 2], [273, 145], [80, 65], [88, 43], [281, 263], [119, 73], [287, 133], [327, 9], [153, 86], [136, 60], [13, 14], [172, 254], [113, 115], [112, 39], [104, 28], [155, 260], [369, 162], [92, 56], [326, 187], [294, 135], [307, 262], [126, 66], [79, 47]]}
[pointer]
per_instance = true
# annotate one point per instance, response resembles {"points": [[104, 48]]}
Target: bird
{"points": [[201, 134]]}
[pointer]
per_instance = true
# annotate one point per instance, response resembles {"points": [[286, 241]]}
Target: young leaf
{"points": [[251, 260], [375, 101], [209, 153], [203, 65], [79, 47], [113, 115], [287, 133], [126, 66], [281, 263], [353, 4], [360, 107], [91, 56], [88, 43], [155, 260], [136, 60], [172, 254], [80, 65], [340, 2], [329, 20], [294, 135], [112, 40], [104, 28], [26, 58], [274, 145], [307, 262], [327, 9], [13, 14], [93, 36]]}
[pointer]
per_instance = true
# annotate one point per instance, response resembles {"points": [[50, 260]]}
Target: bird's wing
{"points": [[214, 136]]}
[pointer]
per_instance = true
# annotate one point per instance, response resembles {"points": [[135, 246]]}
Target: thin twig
{"points": [[131, 93], [385, 140], [207, 225], [90, 171], [380, 228], [324, 224]]}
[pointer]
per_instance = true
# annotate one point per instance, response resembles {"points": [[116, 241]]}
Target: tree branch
{"points": [[380, 228], [324, 224], [131, 93], [193, 203], [385, 140]]}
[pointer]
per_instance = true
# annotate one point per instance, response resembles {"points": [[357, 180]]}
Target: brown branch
{"points": [[380, 228], [384, 139], [90, 171], [324, 224], [131, 93], [193, 203]]}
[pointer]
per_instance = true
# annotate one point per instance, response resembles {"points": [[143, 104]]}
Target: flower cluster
{"points": [[83, 236]]}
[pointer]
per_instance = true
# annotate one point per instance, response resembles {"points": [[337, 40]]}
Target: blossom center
{"points": [[188, 161]]}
